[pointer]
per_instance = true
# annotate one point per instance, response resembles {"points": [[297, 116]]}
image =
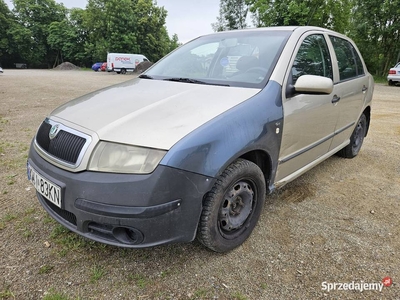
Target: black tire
{"points": [[391, 83], [356, 139], [123, 71], [232, 207]]}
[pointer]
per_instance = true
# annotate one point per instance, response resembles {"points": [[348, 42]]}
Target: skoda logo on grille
{"points": [[53, 131]]}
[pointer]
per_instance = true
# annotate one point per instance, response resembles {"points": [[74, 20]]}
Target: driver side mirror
{"points": [[311, 84]]}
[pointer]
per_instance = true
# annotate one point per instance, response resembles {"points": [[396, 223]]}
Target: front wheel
{"points": [[232, 207], [356, 139]]}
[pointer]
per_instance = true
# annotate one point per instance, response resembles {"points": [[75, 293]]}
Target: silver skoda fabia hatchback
{"points": [[193, 145]]}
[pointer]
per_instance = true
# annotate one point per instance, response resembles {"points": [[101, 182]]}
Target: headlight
{"points": [[118, 158]]}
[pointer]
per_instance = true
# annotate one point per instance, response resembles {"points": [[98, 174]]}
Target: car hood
{"points": [[150, 113]]}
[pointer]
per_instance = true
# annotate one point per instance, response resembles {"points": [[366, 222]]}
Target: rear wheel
{"points": [[233, 206], [356, 139], [123, 71], [390, 82]]}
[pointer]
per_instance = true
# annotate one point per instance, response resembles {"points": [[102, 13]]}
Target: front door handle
{"points": [[364, 89], [335, 99]]}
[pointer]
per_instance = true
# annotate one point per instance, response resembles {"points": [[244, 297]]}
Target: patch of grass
{"points": [[28, 220], [3, 121], [144, 254], [97, 273], [65, 237], [201, 293], [380, 79], [27, 233], [48, 220], [263, 286], [46, 269], [11, 179], [63, 252], [5, 192], [71, 241], [9, 217], [239, 296], [166, 273], [53, 295], [140, 280], [6, 294], [29, 211], [56, 296], [6, 219]]}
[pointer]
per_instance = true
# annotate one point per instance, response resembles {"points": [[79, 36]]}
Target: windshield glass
{"points": [[235, 58]]}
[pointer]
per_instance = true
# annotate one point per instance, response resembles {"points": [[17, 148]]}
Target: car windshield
{"points": [[237, 58]]}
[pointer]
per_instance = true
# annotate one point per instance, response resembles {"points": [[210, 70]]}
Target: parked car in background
{"points": [[1, 70], [193, 145], [121, 63], [97, 66], [394, 75], [20, 65], [103, 67]]}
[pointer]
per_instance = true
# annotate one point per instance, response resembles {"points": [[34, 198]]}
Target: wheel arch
{"points": [[251, 130], [263, 160]]}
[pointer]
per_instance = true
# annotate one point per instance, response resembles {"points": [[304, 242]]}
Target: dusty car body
{"points": [[192, 146]]}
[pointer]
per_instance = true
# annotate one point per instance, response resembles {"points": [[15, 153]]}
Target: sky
{"points": [[187, 18]]}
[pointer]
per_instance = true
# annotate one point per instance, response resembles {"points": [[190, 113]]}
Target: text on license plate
{"points": [[51, 191]]}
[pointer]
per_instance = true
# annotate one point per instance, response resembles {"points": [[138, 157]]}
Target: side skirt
{"points": [[311, 165]]}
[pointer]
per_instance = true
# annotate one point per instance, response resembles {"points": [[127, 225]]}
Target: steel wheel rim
{"points": [[358, 136], [236, 208]]}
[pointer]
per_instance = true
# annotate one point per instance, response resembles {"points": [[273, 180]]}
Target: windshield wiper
{"points": [[190, 80], [144, 76]]}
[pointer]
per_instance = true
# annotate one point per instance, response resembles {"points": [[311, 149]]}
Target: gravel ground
{"points": [[337, 223]]}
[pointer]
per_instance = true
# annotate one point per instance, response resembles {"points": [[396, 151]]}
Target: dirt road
{"points": [[339, 223]]}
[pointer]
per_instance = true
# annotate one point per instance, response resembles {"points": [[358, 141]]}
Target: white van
{"points": [[123, 62]]}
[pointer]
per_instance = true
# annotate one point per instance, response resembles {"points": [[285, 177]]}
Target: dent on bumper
{"points": [[127, 210]]}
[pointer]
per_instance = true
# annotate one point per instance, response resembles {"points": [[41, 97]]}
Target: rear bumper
{"points": [[132, 211], [393, 78]]}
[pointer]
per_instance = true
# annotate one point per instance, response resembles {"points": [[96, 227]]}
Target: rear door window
{"points": [[349, 62]]}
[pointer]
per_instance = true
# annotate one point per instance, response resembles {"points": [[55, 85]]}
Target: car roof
{"points": [[280, 28]]}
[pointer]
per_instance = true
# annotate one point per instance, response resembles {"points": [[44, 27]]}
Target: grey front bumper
{"points": [[127, 210]]}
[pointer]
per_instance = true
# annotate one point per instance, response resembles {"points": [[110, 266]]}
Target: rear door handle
{"points": [[364, 89], [335, 99]]}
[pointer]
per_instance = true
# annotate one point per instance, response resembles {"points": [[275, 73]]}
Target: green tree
{"points": [[68, 38], [151, 32], [332, 14], [232, 15], [376, 30], [174, 43], [6, 19], [76, 21], [34, 18]]}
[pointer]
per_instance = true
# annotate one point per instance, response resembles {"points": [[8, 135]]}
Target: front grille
{"points": [[65, 146], [66, 215]]}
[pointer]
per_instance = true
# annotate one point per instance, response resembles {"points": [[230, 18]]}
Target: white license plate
{"points": [[48, 189]]}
